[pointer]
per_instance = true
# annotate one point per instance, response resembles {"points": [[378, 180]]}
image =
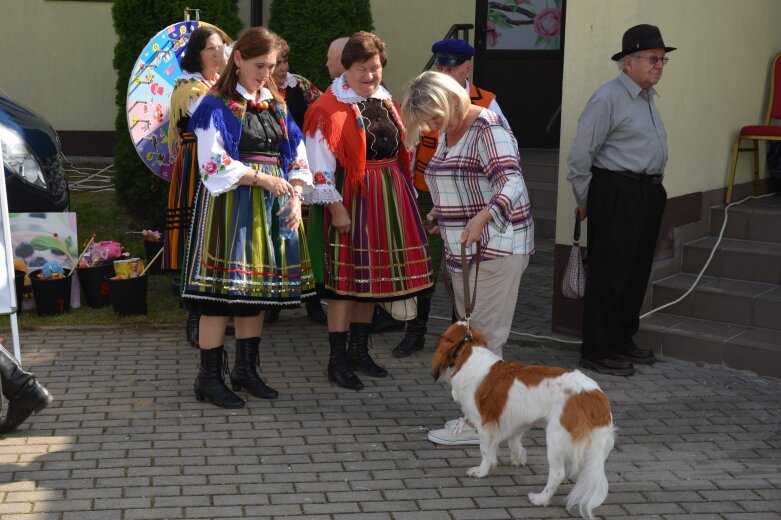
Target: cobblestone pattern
{"points": [[125, 439]]}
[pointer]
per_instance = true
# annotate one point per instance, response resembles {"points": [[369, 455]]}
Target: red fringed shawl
{"points": [[345, 136]]}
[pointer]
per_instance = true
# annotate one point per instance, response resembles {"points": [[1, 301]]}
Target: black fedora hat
{"points": [[640, 38]]}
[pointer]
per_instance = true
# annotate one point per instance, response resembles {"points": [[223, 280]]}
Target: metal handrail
{"points": [[454, 31]]}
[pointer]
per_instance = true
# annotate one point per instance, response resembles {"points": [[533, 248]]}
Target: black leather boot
{"points": [[210, 385], [383, 322], [358, 351], [314, 309], [24, 393], [338, 369], [193, 322], [415, 337], [244, 373], [272, 314]]}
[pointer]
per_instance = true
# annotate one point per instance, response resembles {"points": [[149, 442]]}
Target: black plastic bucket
{"points": [[128, 295], [19, 285], [94, 286], [152, 248], [52, 296]]}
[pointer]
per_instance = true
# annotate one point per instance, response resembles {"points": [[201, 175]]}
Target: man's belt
{"points": [[652, 178]]}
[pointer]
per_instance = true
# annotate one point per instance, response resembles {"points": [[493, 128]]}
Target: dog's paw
{"points": [[538, 499], [518, 458], [476, 472]]}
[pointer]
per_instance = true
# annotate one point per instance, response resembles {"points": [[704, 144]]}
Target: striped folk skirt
{"points": [[181, 193], [235, 255], [385, 255]]}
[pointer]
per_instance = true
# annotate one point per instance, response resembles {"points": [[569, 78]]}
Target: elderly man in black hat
{"points": [[616, 165], [454, 58]]}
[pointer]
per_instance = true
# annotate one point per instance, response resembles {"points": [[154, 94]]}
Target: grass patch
{"points": [[97, 213]]}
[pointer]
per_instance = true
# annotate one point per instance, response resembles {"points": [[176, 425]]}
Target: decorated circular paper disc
{"points": [[149, 95]]}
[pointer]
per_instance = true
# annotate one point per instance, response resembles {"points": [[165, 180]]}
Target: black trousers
{"points": [[624, 215]]}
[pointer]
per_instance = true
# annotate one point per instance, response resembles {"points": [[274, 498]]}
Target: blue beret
{"points": [[452, 52]]}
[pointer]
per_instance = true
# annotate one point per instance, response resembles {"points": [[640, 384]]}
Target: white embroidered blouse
{"points": [[221, 173]]}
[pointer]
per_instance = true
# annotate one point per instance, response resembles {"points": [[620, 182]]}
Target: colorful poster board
{"points": [[33, 240]]}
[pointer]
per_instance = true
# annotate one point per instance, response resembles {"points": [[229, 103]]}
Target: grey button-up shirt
{"points": [[620, 129]]}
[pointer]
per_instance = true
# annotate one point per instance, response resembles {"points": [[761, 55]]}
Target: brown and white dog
{"points": [[502, 399]]}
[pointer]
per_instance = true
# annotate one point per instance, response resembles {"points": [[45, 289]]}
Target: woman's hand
{"points": [[474, 228], [580, 213], [340, 218], [275, 185], [431, 223]]}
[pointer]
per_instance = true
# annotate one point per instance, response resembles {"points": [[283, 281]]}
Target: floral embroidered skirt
{"points": [[235, 256], [385, 256], [181, 193]]}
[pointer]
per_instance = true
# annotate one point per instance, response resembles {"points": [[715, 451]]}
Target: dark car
{"points": [[34, 174]]}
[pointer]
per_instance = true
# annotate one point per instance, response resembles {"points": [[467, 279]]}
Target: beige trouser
{"points": [[497, 293]]}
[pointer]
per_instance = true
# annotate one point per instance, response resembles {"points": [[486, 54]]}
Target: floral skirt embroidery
{"points": [[235, 254], [385, 256], [181, 193]]}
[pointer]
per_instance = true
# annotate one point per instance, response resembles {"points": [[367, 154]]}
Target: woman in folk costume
{"points": [[203, 60], [374, 243], [241, 258], [299, 93]]}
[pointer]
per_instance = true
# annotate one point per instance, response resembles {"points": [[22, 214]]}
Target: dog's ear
{"points": [[439, 361], [446, 346]]}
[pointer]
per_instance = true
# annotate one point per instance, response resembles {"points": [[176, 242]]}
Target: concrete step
{"points": [[735, 258], [691, 339], [540, 165], [542, 194], [544, 222], [720, 299], [753, 220], [543, 251]]}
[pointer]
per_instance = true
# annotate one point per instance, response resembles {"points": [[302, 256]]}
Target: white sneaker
{"points": [[455, 433]]}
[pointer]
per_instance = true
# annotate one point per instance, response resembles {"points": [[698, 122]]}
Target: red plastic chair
{"points": [[756, 133]]}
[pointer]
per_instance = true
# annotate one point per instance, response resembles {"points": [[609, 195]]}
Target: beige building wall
{"points": [[57, 55], [716, 82], [57, 59], [409, 28]]}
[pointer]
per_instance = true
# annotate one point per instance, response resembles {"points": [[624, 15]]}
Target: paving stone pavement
{"points": [[125, 439]]}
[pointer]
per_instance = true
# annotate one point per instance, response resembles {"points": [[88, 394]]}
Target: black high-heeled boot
{"points": [[244, 373], [415, 337], [314, 309], [338, 369], [24, 393], [358, 351], [210, 385], [192, 328], [272, 314]]}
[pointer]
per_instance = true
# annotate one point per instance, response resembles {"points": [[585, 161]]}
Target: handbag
{"points": [[573, 283], [402, 310]]}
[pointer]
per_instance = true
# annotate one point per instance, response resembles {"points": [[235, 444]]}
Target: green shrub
{"points": [[309, 26], [140, 192]]}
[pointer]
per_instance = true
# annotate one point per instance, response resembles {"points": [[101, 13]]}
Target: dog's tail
{"points": [[590, 488]]}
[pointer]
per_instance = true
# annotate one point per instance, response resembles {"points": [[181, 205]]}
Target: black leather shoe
{"points": [[643, 356], [615, 367], [315, 310], [272, 315], [383, 322]]}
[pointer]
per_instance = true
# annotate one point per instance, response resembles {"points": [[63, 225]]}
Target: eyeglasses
{"points": [[653, 60]]}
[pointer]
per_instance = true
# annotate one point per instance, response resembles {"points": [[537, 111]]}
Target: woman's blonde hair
{"points": [[432, 95]]}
